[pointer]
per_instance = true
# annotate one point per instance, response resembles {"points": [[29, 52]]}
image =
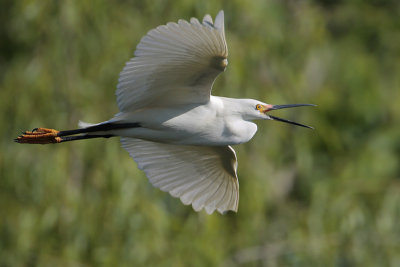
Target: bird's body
{"points": [[215, 123], [176, 131]]}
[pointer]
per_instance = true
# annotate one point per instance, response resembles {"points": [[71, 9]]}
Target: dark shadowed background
{"points": [[328, 197]]}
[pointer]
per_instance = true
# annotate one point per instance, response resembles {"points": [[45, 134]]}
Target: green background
{"points": [[328, 197]]}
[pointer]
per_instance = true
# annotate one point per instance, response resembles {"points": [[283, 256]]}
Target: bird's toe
{"points": [[39, 136]]}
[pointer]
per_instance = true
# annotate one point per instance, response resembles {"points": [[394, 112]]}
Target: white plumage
{"points": [[204, 176], [176, 64], [167, 87]]}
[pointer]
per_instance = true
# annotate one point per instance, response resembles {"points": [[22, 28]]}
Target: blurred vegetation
{"points": [[329, 197]]}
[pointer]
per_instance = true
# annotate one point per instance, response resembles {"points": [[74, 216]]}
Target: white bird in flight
{"points": [[176, 131]]}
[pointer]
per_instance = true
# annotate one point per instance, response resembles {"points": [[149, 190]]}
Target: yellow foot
{"points": [[39, 136]]}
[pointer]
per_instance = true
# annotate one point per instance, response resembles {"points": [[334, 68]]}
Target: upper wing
{"points": [[174, 63], [202, 176]]}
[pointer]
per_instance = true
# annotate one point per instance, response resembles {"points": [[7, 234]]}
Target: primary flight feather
{"points": [[176, 131]]}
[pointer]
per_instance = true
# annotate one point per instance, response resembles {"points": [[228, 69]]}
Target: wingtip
{"points": [[207, 20], [219, 20]]}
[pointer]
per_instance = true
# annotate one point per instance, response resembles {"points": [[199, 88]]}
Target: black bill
{"points": [[275, 107]]}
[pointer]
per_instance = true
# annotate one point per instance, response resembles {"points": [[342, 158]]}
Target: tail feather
{"points": [[82, 124]]}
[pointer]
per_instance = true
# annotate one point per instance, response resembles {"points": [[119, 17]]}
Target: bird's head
{"points": [[258, 110]]}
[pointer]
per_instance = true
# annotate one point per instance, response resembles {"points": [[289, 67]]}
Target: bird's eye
{"points": [[258, 107]]}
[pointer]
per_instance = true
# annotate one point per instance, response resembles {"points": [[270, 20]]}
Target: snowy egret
{"points": [[176, 131]]}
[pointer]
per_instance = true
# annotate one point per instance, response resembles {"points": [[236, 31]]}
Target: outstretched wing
{"points": [[175, 63], [202, 176]]}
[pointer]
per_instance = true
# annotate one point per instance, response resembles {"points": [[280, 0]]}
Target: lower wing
{"points": [[203, 176]]}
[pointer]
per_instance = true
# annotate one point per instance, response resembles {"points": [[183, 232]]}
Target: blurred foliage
{"points": [[329, 197]]}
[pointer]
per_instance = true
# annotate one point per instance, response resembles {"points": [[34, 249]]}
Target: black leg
{"points": [[101, 127], [82, 137]]}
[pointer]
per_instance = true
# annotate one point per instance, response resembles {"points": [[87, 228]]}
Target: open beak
{"points": [[268, 108]]}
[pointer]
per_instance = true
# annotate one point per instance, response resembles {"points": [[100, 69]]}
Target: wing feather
{"points": [[202, 176], [175, 63]]}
